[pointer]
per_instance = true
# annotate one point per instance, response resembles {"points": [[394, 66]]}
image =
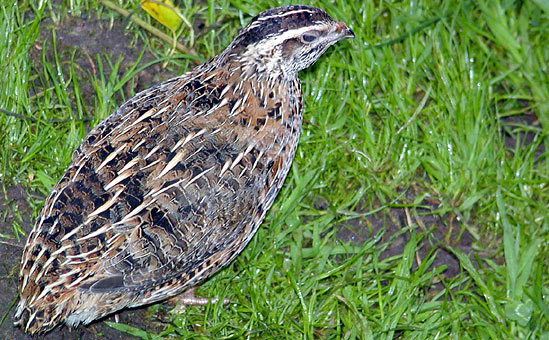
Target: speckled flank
{"points": [[172, 186]]}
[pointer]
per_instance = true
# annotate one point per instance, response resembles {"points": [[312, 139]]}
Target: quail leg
{"points": [[188, 298]]}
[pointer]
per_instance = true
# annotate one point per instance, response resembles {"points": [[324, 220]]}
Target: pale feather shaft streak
{"points": [[47, 289], [257, 160], [99, 231], [132, 213], [54, 199], [223, 102], [173, 162], [289, 13], [197, 177], [225, 167], [110, 157], [237, 160], [83, 255], [187, 139], [156, 193], [106, 205], [77, 172], [40, 254], [152, 152], [129, 165], [236, 107], [45, 266], [149, 113], [77, 281], [118, 179]]}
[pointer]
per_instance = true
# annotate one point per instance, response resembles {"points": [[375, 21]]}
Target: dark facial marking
{"points": [[276, 22]]}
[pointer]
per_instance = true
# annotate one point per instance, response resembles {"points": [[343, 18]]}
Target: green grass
{"points": [[424, 112]]}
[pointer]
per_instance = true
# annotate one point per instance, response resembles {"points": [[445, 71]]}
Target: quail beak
{"points": [[343, 31]]}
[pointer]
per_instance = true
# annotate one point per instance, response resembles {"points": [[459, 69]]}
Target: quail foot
{"points": [[172, 186]]}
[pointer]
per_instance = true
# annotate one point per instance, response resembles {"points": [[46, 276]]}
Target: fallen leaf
{"points": [[164, 12]]}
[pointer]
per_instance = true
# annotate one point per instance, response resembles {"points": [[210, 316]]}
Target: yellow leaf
{"points": [[163, 11]]}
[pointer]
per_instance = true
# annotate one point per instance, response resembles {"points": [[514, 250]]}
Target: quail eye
{"points": [[308, 38]]}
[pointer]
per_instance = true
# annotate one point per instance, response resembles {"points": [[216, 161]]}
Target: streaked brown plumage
{"points": [[172, 186]]}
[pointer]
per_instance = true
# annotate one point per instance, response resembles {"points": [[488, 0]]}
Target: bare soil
{"points": [[438, 234]]}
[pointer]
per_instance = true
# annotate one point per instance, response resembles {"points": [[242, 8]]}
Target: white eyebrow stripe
{"points": [[269, 43]]}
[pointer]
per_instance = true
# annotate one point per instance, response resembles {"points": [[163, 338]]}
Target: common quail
{"points": [[172, 186]]}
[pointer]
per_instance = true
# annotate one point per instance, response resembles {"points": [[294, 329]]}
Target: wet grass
{"points": [[435, 109]]}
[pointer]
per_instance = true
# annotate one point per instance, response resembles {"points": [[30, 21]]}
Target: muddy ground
{"points": [[90, 37]]}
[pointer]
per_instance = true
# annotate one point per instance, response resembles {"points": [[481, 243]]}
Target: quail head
{"points": [[172, 186]]}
